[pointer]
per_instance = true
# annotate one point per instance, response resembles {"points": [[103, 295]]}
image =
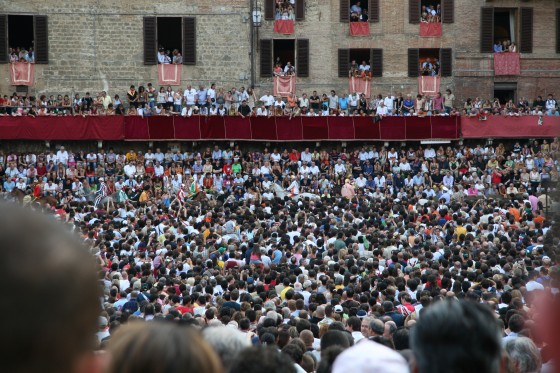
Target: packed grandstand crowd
{"points": [[149, 101], [308, 260]]}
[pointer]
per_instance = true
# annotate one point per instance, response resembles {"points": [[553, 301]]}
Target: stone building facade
{"points": [[99, 45]]}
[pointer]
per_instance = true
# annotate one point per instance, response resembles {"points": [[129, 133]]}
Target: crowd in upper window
{"points": [[285, 10], [430, 13], [21, 54]]}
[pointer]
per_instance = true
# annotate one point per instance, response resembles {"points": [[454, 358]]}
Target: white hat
{"points": [[369, 357]]}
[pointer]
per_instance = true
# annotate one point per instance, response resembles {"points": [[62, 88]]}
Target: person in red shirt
{"points": [[37, 189], [496, 176], [41, 169], [227, 169], [186, 307], [294, 155]]}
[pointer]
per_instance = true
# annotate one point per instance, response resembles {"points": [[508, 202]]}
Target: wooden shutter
{"points": [[300, 10], [344, 11], [413, 11], [150, 42], [41, 39], [376, 62], [189, 41], [413, 62], [343, 62], [448, 11], [269, 6], [486, 29], [3, 38], [558, 30], [373, 9], [302, 63], [526, 32], [446, 62], [266, 57]]}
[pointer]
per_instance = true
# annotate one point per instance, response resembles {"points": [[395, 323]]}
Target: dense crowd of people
{"points": [[297, 261], [149, 101]]}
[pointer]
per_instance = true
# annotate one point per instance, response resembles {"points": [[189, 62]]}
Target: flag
{"points": [[360, 85], [428, 85], [169, 74], [21, 73], [284, 85], [121, 196]]}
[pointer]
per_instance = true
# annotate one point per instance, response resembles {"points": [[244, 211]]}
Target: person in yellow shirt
{"points": [[144, 196], [131, 156], [460, 230]]}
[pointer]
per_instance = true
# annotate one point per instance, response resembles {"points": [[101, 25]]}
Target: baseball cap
{"points": [[338, 308], [361, 314], [368, 356]]}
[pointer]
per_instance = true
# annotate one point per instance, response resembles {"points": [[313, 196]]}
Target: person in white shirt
{"points": [[262, 111], [448, 180], [62, 156], [306, 156], [382, 110], [130, 170], [158, 170], [361, 181], [303, 101], [429, 152], [267, 100], [190, 96], [389, 102]]}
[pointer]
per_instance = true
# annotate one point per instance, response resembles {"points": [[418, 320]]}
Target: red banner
{"points": [[169, 74], [62, 128], [284, 85], [285, 27], [195, 128], [359, 28], [510, 127], [21, 73], [430, 29], [428, 85], [359, 85], [506, 63]]}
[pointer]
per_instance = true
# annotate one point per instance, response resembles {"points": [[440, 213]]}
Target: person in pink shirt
{"points": [[437, 103]]}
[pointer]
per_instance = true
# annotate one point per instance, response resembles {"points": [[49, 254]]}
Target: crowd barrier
{"points": [[202, 128]]}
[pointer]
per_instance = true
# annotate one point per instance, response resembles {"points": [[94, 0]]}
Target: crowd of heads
{"points": [[21, 54], [188, 101], [166, 56], [430, 13], [370, 277], [285, 10]]}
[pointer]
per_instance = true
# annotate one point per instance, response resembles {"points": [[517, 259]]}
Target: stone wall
{"points": [[97, 45]]}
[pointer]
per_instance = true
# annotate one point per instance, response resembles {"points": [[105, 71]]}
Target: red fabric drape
{"points": [[359, 28], [428, 85], [262, 128], [284, 85], [506, 63], [430, 29], [510, 127], [21, 73], [359, 85], [285, 27], [169, 74], [62, 128]]}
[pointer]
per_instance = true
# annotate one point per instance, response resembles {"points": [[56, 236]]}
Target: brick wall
{"points": [[97, 45]]}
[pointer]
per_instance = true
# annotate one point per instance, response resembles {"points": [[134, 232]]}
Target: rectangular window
{"points": [[430, 62], [278, 53], [169, 34], [284, 52], [558, 30], [430, 11], [505, 30], [359, 10], [275, 10], [21, 32], [505, 92], [24, 37], [372, 57], [175, 36]]}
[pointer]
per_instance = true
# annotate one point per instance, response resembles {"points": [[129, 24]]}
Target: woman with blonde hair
{"points": [[160, 348]]}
